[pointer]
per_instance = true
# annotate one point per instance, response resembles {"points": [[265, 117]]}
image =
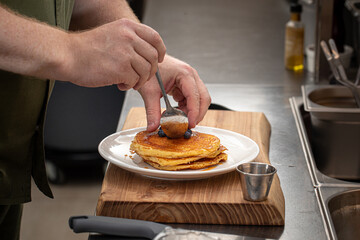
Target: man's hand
{"points": [[122, 52], [116, 50], [184, 84]]}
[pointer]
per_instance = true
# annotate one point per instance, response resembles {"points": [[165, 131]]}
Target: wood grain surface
{"points": [[215, 200]]}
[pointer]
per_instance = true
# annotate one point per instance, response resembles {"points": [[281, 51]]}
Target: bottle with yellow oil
{"points": [[294, 39]]}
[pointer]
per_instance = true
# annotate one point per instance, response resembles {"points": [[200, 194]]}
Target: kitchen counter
{"points": [[237, 48]]}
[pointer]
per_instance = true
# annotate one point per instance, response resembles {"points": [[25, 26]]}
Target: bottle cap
{"points": [[295, 8]]}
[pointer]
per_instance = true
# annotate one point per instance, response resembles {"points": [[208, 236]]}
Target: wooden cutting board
{"points": [[215, 200]]}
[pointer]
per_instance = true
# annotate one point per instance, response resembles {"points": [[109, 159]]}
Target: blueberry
{"points": [[161, 133], [187, 134]]}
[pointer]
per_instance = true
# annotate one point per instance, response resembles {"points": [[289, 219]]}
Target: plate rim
{"points": [[175, 175]]}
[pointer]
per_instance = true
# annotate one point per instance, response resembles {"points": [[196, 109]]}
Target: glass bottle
{"points": [[294, 39]]}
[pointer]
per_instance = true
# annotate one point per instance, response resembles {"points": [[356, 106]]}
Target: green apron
{"points": [[23, 102]]}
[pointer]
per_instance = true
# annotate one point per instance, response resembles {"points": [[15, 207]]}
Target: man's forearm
{"points": [[28, 47], [120, 51], [92, 13]]}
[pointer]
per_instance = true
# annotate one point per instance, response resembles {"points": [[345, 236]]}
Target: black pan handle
{"points": [[115, 226]]}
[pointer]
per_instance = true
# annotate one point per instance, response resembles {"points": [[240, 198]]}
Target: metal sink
{"points": [[344, 209], [333, 130], [338, 199], [341, 209]]}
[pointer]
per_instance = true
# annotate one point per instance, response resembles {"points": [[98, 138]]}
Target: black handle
{"points": [[115, 226]]}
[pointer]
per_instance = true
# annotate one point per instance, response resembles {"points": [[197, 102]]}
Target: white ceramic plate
{"points": [[116, 149]]}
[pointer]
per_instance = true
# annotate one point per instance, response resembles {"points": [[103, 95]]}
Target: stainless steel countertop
{"points": [[237, 48]]}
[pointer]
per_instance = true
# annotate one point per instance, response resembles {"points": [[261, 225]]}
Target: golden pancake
{"points": [[177, 161], [199, 145], [199, 164]]}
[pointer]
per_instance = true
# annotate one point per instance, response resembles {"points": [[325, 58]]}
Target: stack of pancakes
{"points": [[201, 150]]}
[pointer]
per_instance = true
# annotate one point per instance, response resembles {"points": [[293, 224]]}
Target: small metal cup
{"points": [[256, 179]]}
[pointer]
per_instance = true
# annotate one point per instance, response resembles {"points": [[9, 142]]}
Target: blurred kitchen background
{"points": [[242, 40]]}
